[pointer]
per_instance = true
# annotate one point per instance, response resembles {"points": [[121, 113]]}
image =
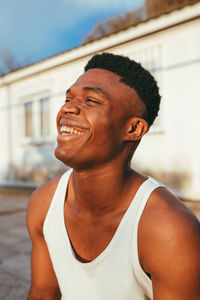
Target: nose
{"points": [[71, 107]]}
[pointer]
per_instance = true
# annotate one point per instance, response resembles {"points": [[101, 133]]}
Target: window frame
{"points": [[37, 137]]}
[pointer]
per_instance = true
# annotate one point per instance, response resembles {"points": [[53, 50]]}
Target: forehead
{"points": [[98, 76], [107, 82]]}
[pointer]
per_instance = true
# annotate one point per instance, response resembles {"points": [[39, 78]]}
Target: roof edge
{"points": [[145, 27]]}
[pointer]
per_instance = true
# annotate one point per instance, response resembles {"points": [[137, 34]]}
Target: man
{"points": [[102, 230]]}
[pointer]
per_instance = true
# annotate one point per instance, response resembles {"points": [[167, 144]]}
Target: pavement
{"points": [[15, 245]]}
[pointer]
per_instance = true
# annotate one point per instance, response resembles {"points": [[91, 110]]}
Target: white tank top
{"points": [[116, 273]]}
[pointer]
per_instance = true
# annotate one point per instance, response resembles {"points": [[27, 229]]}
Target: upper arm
{"points": [[176, 271], [173, 254], [44, 283]]}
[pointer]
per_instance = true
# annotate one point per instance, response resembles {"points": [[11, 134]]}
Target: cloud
{"points": [[34, 29], [104, 4], [88, 7]]}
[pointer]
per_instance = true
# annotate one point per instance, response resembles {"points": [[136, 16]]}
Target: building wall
{"points": [[169, 152], [173, 148]]}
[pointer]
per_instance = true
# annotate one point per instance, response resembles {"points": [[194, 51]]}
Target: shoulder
{"points": [[169, 234], [39, 204]]}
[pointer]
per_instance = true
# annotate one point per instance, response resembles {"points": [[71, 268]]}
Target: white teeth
{"points": [[64, 129]]}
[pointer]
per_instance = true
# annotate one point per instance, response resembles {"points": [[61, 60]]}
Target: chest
{"points": [[90, 236]]}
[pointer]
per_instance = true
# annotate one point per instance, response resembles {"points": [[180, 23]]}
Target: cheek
{"points": [[105, 136], [101, 125], [59, 115]]}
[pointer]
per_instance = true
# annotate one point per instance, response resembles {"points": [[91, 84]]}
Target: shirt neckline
{"points": [[113, 240]]}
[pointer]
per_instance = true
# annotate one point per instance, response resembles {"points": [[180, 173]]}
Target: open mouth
{"points": [[66, 130]]}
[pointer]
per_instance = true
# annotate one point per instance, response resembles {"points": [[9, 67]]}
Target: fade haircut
{"points": [[135, 76]]}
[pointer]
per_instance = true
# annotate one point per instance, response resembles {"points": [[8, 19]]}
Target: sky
{"points": [[32, 30]]}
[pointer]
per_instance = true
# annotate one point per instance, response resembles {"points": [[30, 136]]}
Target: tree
{"points": [[113, 25], [9, 62], [151, 9], [155, 8]]}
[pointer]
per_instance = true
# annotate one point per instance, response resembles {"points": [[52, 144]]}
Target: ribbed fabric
{"points": [[116, 273]]}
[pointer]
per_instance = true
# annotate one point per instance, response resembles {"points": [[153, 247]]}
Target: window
{"points": [[150, 58], [28, 119], [44, 116], [36, 117]]}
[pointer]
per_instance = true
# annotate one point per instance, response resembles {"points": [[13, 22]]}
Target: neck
{"points": [[99, 191]]}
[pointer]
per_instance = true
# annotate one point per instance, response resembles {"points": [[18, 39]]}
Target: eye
{"points": [[92, 100]]}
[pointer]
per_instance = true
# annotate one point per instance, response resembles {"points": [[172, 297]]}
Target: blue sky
{"points": [[35, 29]]}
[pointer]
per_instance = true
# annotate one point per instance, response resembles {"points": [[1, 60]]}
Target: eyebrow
{"points": [[93, 89]]}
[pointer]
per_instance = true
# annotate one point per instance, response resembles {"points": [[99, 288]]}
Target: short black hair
{"points": [[135, 76]]}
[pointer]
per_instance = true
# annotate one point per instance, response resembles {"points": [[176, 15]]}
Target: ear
{"points": [[136, 128]]}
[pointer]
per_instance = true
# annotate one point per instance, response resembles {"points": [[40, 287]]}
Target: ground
{"points": [[15, 245]]}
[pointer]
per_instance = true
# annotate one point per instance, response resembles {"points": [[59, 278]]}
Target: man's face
{"points": [[93, 121]]}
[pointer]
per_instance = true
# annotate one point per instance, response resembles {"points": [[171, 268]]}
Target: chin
{"points": [[78, 163], [62, 156], [66, 159]]}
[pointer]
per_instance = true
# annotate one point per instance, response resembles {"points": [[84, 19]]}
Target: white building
{"points": [[30, 98]]}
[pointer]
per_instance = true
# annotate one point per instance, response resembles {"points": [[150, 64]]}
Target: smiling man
{"points": [[103, 231]]}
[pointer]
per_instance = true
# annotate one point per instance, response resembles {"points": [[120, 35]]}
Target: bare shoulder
{"points": [[167, 211], [38, 206], [166, 222], [169, 239]]}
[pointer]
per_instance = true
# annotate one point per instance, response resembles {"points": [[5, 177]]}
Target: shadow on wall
{"points": [[174, 181], [37, 166]]}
